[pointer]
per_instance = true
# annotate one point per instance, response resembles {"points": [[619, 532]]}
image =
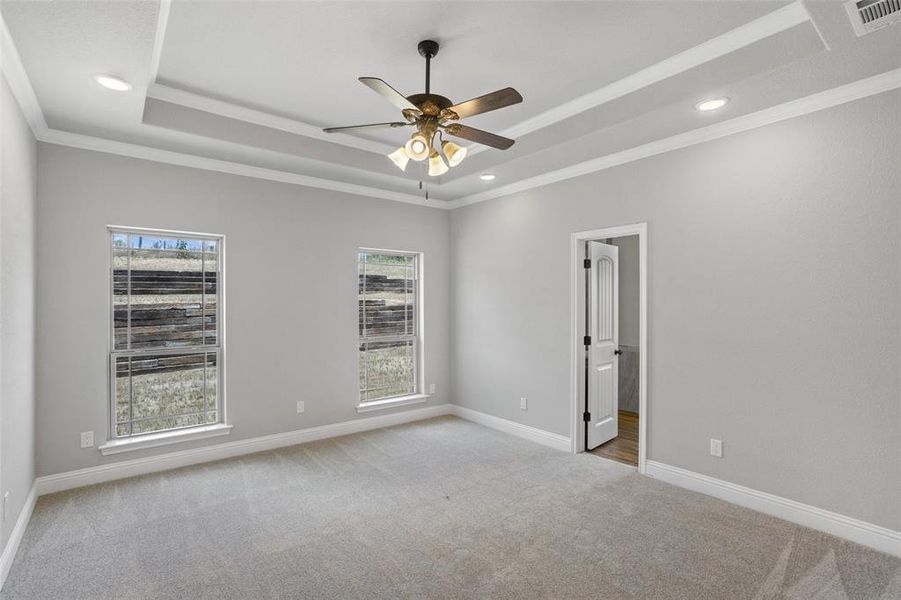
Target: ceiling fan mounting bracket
{"points": [[428, 48]]}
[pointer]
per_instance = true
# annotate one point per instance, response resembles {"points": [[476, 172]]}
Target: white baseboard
{"points": [[172, 460], [15, 536], [861, 532], [533, 434]]}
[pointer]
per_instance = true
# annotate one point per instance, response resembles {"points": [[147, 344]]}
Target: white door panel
{"points": [[603, 328]]}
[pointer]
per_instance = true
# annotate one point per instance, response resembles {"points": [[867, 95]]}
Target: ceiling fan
{"points": [[433, 115]]}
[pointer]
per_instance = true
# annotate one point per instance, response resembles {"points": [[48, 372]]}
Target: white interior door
{"points": [[603, 328]]}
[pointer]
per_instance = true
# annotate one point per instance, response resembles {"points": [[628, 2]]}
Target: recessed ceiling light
{"points": [[112, 82], [487, 177], [712, 104]]}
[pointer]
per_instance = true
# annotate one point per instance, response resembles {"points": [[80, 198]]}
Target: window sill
{"points": [[164, 438], [391, 402]]}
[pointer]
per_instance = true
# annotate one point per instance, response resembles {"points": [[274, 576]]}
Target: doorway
{"points": [[609, 290]]}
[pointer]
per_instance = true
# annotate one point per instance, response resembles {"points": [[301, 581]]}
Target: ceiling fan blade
{"points": [[488, 102], [477, 135], [388, 93], [369, 126]]}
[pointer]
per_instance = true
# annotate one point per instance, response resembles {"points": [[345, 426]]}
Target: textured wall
{"points": [[774, 304]]}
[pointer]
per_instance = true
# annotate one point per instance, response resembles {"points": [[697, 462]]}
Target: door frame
{"points": [[577, 362]]}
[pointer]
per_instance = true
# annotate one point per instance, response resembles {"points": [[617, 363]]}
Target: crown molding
{"points": [[869, 86], [156, 53], [259, 117], [162, 22], [22, 90], [224, 144], [863, 88], [770, 24], [231, 110], [86, 142], [19, 84], [761, 28]]}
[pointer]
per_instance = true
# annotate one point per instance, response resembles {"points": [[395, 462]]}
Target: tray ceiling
{"points": [[253, 82]]}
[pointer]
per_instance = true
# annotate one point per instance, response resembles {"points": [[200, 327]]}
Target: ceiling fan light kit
{"points": [[400, 158], [433, 114], [417, 147], [437, 166], [454, 153]]}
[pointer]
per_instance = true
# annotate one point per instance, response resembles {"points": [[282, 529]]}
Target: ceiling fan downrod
{"points": [[428, 49]]}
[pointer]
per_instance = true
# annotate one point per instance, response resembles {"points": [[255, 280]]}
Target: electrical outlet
{"points": [[300, 406], [523, 404], [87, 439], [431, 388], [716, 448]]}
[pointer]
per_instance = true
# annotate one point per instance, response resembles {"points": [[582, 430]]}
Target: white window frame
{"points": [[117, 444], [418, 396]]}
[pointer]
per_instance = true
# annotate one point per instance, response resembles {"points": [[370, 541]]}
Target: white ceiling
{"points": [[306, 62], [253, 82]]}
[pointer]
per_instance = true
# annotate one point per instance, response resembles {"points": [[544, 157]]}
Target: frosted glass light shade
{"points": [[436, 165], [400, 158], [417, 147], [454, 153]]}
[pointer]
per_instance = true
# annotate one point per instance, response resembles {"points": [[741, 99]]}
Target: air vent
{"points": [[870, 15]]}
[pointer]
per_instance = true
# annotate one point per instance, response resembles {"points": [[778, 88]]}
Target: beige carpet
{"points": [[436, 509]]}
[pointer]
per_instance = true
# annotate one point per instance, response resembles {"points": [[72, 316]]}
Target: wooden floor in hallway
{"points": [[624, 447]]}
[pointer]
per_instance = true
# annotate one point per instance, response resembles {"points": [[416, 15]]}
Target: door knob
{"points": [[617, 352]]}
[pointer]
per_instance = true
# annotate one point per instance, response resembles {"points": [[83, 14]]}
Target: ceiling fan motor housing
{"points": [[430, 104]]}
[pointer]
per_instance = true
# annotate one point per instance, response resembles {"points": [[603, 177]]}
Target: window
{"points": [[389, 327], [165, 334]]}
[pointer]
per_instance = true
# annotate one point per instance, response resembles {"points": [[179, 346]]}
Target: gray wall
{"points": [[286, 340], [774, 304], [629, 286], [17, 308], [629, 326]]}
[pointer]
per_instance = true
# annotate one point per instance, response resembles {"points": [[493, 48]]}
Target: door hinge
{"points": [[586, 263], [586, 340], [586, 416]]}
